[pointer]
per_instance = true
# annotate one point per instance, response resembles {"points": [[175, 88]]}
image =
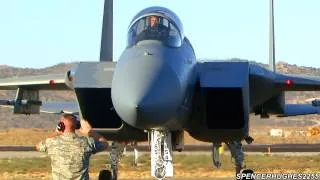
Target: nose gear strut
{"points": [[161, 154]]}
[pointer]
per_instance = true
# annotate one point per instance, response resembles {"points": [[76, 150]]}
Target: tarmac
{"points": [[260, 149]]}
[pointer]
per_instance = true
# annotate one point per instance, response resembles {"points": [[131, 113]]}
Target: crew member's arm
{"points": [[54, 134], [96, 136], [42, 146], [100, 142]]}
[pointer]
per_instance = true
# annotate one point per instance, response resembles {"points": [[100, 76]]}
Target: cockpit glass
{"points": [[154, 28]]}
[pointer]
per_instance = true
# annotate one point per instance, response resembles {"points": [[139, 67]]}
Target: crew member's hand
{"points": [[85, 127]]}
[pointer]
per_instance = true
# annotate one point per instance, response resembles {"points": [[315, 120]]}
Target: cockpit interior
{"points": [[159, 25]]}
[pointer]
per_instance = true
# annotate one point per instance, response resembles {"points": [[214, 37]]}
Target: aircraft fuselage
{"points": [[153, 85]]}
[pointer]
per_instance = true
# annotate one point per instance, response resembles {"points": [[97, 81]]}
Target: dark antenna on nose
{"points": [[106, 50]]}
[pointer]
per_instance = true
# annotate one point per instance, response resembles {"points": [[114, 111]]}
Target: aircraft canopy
{"points": [[156, 23]]}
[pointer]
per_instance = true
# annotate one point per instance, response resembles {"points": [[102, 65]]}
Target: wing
{"points": [[84, 75], [297, 83], [27, 97], [41, 82]]}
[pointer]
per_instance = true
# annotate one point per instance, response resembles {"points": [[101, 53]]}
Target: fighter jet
{"points": [[157, 90]]}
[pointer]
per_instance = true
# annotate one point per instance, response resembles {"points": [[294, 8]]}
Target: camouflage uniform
{"points": [[236, 150], [70, 155]]}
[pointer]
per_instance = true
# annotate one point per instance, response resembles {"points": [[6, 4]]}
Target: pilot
{"points": [[154, 30], [153, 21], [69, 152]]}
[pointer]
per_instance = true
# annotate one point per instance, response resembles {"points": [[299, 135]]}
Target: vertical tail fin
{"points": [[106, 50], [272, 61]]}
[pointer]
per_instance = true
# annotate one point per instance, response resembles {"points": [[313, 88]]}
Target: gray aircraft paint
{"points": [[106, 49], [150, 83], [159, 85]]}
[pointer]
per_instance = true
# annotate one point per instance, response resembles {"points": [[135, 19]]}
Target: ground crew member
{"points": [[69, 152]]}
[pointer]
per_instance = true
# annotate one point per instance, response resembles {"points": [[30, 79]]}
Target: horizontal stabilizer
{"points": [[300, 109]]}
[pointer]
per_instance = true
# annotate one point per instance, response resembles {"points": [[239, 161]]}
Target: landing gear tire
{"points": [[105, 175]]}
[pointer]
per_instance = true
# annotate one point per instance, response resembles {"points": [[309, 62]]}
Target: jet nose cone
{"points": [[145, 93]]}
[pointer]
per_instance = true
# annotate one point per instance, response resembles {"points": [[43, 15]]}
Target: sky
{"points": [[39, 33]]}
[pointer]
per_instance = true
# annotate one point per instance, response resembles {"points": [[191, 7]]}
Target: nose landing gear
{"points": [[161, 154]]}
